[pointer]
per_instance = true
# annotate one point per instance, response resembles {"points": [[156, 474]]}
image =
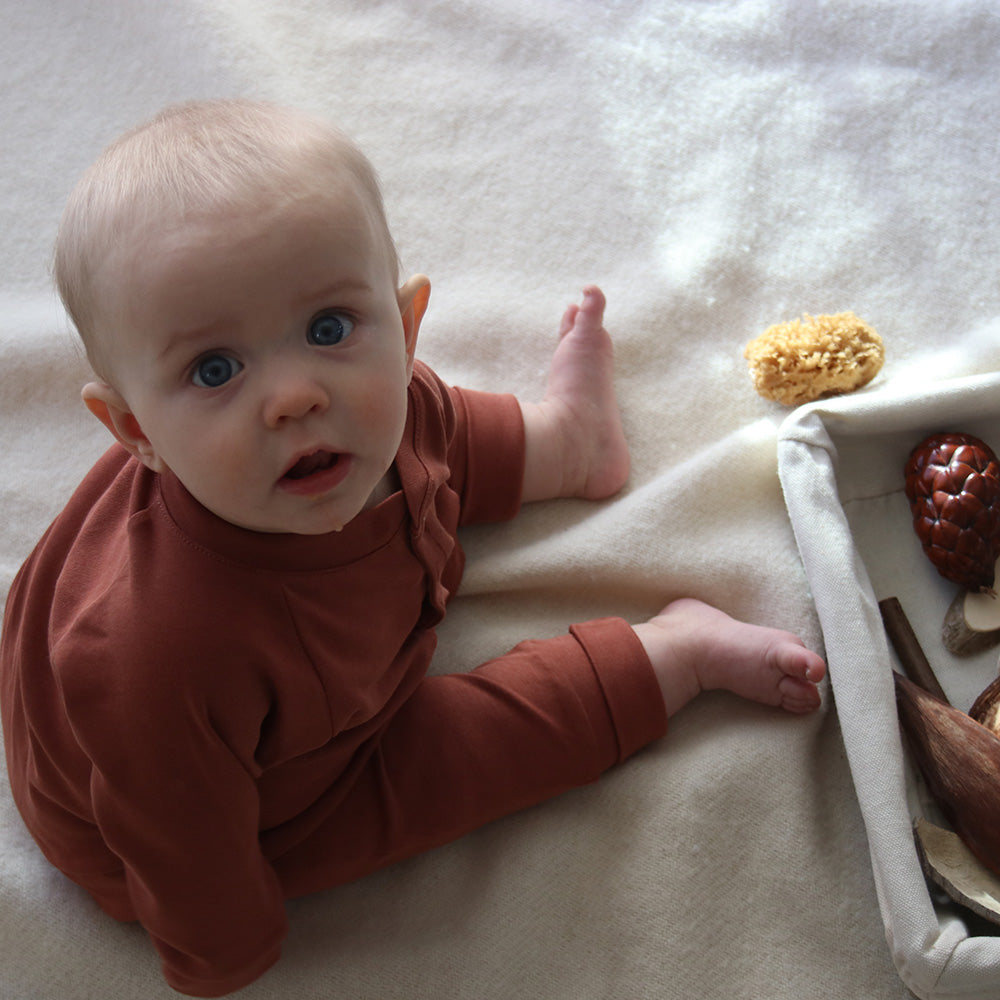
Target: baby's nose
{"points": [[292, 396]]}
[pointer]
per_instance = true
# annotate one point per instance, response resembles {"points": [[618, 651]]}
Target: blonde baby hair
{"points": [[192, 158]]}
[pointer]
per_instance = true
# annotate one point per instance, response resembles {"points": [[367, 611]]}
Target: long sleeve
{"points": [[174, 796]]}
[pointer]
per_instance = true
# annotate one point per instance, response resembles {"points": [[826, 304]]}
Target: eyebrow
{"points": [[338, 288], [178, 338]]}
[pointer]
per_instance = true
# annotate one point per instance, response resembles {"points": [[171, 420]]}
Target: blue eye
{"points": [[214, 370], [329, 329]]}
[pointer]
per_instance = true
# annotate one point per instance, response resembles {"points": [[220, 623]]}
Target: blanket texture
{"points": [[716, 166]]}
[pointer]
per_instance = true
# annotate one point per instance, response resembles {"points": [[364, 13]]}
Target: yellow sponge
{"points": [[802, 360]]}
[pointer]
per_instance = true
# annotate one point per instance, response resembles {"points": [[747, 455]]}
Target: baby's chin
{"points": [[313, 527], [311, 523], [297, 514]]}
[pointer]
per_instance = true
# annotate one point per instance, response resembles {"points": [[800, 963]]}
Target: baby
{"points": [[213, 667]]}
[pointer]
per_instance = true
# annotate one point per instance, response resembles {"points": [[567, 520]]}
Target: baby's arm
{"points": [[574, 444]]}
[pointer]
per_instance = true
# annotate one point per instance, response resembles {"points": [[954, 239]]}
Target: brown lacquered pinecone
{"points": [[953, 485]]}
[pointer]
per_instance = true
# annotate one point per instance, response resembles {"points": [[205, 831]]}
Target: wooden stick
{"points": [[918, 669]]}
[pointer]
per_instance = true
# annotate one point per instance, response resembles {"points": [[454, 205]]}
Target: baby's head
{"points": [[190, 160], [229, 268]]}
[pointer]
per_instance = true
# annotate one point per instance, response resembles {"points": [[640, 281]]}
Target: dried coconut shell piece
{"points": [[805, 359], [949, 863], [971, 623]]}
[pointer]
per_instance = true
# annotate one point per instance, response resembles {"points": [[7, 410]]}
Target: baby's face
{"points": [[264, 356]]}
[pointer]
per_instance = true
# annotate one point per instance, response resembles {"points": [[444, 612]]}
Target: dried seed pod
{"points": [[960, 761], [953, 485]]}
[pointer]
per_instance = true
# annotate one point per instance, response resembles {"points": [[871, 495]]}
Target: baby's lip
{"points": [[308, 463], [315, 472]]}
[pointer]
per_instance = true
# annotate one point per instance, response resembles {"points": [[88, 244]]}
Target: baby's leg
{"points": [[575, 443], [694, 647]]}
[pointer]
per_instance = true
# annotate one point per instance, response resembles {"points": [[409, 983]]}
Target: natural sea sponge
{"points": [[802, 360]]}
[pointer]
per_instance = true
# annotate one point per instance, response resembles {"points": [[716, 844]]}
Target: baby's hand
{"points": [[575, 443], [694, 647]]}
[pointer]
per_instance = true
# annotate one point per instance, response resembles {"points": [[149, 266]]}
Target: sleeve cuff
{"points": [[495, 449], [627, 681], [196, 986]]}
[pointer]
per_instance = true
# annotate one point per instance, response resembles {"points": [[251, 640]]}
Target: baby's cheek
{"points": [[382, 409]]}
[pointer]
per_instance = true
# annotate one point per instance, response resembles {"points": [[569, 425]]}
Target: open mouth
{"points": [[316, 474], [310, 465]]}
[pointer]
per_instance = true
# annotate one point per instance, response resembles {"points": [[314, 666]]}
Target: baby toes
{"points": [[795, 660], [797, 695], [568, 320]]}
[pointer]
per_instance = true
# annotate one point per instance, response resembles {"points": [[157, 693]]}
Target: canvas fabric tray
{"points": [[841, 467]]}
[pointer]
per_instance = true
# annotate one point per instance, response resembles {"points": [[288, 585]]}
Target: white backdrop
{"points": [[716, 166]]}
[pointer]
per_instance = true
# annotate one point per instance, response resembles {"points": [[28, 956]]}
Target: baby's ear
{"points": [[413, 298], [113, 411]]}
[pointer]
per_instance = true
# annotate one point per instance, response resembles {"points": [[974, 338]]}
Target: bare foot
{"points": [[694, 647], [580, 410]]}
